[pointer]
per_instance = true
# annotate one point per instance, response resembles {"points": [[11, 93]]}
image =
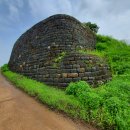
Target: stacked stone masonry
{"points": [[48, 53]]}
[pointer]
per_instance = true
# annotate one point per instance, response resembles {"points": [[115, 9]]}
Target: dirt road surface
{"points": [[18, 111]]}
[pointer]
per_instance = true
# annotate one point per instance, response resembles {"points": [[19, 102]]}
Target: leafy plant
{"points": [[77, 87], [4, 68], [58, 59], [106, 105], [92, 26]]}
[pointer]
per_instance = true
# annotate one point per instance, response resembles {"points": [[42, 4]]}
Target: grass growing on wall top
{"points": [[92, 52], [58, 59]]}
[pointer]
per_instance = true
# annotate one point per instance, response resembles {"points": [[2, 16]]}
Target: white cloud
{"points": [[13, 13], [113, 17], [64, 6], [18, 3], [42, 8], [13, 7], [45, 8], [116, 25]]}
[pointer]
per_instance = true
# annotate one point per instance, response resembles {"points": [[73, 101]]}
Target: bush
{"points": [[116, 116], [84, 93], [101, 47], [107, 105], [4, 68], [114, 105], [77, 87], [90, 100], [92, 26]]}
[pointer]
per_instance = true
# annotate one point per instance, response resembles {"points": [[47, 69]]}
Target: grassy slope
{"points": [[116, 93], [106, 106], [117, 53]]}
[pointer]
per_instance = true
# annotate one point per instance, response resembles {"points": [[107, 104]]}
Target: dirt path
{"points": [[18, 111]]}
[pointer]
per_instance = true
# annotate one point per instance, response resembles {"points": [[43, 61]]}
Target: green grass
{"points": [[116, 52], [107, 106], [94, 52], [57, 60]]}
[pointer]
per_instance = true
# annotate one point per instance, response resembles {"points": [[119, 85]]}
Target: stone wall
{"points": [[48, 52]]}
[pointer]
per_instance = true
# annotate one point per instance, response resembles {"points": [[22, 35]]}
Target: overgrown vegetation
{"points": [[117, 53], [107, 106], [5, 68], [58, 59], [92, 26], [94, 52]]}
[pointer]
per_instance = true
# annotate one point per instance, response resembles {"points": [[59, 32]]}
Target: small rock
{"points": [[72, 75], [64, 75]]}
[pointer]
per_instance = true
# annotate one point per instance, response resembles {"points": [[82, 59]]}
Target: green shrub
{"points": [[116, 116], [90, 100], [114, 105], [107, 105], [4, 68], [77, 87]]}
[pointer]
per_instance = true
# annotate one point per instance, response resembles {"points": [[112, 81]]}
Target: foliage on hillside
{"points": [[92, 26], [109, 104], [117, 53]]}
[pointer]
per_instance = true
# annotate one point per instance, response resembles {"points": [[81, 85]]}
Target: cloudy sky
{"points": [[16, 16]]}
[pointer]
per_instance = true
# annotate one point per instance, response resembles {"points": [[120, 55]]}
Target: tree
{"points": [[92, 26]]}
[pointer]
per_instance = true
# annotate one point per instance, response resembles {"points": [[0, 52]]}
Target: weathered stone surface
{"points": [[72, 75], [64, 75], [47, 52], [81, 70]]}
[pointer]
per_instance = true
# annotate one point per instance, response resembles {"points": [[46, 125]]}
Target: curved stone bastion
{"points": [[50, 52]]}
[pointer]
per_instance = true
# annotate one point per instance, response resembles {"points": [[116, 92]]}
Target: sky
{"points": [[16, 16]]}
